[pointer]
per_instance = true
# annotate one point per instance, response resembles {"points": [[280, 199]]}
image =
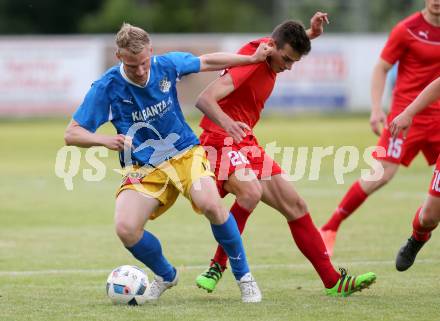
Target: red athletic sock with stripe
{"points": [[421, 233], [241, 216], [351, 201], [310, 243]]}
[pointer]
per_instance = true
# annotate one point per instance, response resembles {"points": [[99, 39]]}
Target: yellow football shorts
{"points": [[166, 181]]}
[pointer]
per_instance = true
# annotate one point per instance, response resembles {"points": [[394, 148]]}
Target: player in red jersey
{"points": [[415, 44], [428, 216], [233, 104]]}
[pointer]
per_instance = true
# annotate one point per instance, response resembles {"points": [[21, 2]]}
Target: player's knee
{"points": [[388, 174], [372, 186], [299, 208], [294, 208], [128, 234], [301, 205], [430, 217], [250, 196], [212, 208], [387, 177]]}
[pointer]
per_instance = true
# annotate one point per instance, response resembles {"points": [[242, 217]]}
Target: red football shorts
{"points": [[226, 157], [424, 136]]}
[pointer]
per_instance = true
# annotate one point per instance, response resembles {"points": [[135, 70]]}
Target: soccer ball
{"points": [[127, 284]]}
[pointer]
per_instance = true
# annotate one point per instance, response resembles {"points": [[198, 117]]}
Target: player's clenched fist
{"points": [[377, 119], [117, 142], [263, 51], [317, 23]]}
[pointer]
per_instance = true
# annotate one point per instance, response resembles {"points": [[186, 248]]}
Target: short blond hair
{"points": [[131, 38]]}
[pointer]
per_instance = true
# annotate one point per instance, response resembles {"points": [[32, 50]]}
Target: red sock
{"points": [[351, 201], [421, 233], [241, 215], [310, 243]]}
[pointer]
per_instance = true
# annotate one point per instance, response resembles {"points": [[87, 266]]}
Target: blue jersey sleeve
{"points": [[95, 109], [184, 62]]}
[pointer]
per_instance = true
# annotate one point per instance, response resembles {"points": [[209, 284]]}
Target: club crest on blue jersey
{"points": [[165, 85]]}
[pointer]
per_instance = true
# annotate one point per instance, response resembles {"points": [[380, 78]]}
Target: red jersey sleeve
{"points": [[239, 74], [396, 44]]}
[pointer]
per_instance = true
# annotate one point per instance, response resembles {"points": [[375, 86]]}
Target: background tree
{"points": [[171, 16]]}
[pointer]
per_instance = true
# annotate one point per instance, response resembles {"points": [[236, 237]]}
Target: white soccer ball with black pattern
{"points": [[127, 284]]}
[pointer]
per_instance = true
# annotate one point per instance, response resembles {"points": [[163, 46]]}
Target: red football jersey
{"points": [[415, 44], [253, 85]]}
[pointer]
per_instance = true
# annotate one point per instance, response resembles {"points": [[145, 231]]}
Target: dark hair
{"points": [[294, 34]]}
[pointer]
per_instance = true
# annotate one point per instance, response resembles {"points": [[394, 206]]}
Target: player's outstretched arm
{"points": [[207, 104], [403, 121], [81, 137], [378, 79], [221, 60], [317, 24]]}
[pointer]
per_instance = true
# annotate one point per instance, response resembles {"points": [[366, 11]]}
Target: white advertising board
{"points": [[50, 75], [47, 76]]}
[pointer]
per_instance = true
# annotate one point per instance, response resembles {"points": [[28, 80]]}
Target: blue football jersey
{"points": [[150, 114]]}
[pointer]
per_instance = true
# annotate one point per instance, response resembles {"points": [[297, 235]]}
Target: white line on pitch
{"points": [[197, 267]]}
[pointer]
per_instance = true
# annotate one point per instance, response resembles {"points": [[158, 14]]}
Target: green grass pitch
{"points": [[57, 246]]}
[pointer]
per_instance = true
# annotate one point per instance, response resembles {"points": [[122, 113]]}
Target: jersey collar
{"points": [[124, 75]]}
